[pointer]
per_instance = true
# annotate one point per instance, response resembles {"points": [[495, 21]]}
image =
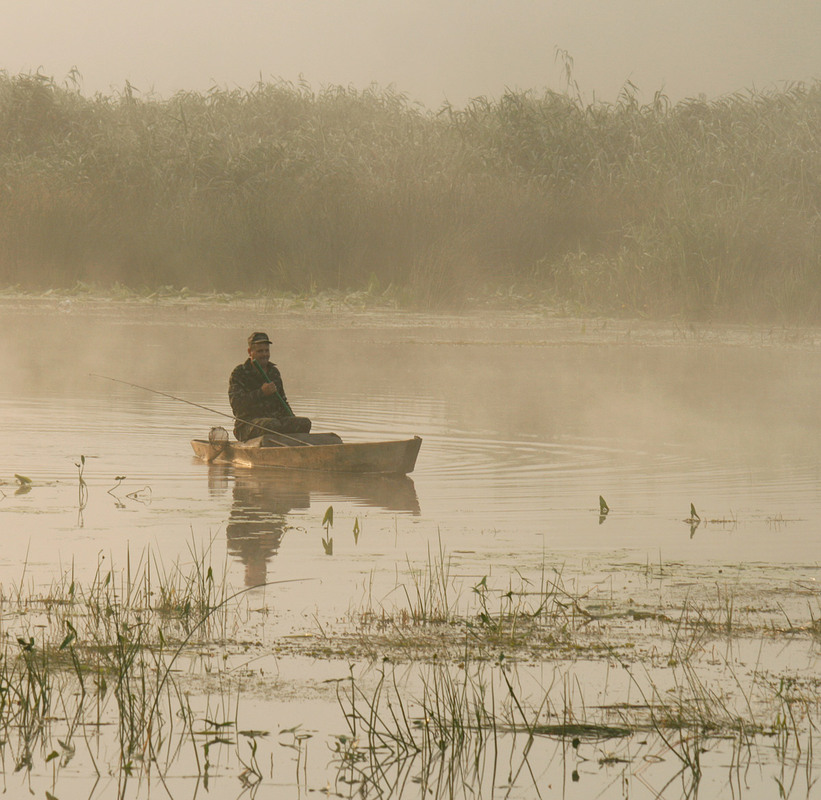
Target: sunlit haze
{"points": [[433, 50]]}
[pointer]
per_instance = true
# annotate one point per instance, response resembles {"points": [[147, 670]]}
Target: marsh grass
{"points": [[628, 207], [433, 597], [465, 723], [446, 730], [428, 590], [475, 680], [435, 611], [104, 654], [684, 662]]}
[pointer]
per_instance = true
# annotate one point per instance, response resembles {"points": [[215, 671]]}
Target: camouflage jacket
{"points": [[246, 397]]}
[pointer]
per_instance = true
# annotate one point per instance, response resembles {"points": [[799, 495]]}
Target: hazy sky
{"points": [[434, 50]]}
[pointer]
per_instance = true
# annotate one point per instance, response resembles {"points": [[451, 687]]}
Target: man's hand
{"points": [[269, 388]]}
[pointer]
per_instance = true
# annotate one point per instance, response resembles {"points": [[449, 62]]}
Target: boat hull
{"points": [[387, 458]]}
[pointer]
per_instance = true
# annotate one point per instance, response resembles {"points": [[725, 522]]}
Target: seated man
{"points": [[257, 397]]}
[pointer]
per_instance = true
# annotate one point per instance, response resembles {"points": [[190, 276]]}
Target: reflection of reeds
{"points": [[626, 206]]}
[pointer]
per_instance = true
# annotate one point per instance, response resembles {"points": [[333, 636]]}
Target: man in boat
{"points": [[257, 396]]}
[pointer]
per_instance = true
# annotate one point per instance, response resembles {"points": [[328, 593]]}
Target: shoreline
{"points": [[352, 311]]}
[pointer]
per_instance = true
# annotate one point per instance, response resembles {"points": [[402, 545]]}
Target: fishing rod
{"points": [[204, 408]]}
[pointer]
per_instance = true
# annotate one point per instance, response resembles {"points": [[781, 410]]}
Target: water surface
{"points": [[526, 421]]}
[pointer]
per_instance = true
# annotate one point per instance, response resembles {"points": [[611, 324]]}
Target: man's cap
{"points": [[258, 338]]}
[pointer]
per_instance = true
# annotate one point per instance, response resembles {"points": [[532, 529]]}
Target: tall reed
{"points": [[698, 207]]}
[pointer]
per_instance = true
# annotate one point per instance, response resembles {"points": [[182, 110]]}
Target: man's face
{"points": [[260, 351]]}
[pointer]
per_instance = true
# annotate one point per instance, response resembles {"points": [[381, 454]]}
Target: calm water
{"points": [[525, 422]]}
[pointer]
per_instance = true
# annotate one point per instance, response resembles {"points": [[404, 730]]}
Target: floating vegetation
{"points": [[545, 618]]}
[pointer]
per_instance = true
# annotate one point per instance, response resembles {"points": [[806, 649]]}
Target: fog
{"points": [[528, 417], [524, 422], [432, 50]]}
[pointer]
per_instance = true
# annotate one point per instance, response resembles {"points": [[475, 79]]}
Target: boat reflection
{"points": [[264, 501]]}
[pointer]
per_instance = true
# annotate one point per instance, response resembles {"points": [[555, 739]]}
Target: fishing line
{"points": [[204, 408]]}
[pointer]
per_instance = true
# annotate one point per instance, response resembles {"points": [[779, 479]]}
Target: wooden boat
{"points": [[324, 452]]}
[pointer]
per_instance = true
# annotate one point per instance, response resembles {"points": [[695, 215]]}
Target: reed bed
{"points": [[651, 208], [667, 615]]}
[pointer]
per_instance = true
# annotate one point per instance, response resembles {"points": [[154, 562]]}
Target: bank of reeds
{"points": [[699, 207]]}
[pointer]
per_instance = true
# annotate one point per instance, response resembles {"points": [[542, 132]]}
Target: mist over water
{"points": [[525, 423]]}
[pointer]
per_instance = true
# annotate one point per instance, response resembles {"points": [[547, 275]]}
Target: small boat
{"points": [[324, 452]]}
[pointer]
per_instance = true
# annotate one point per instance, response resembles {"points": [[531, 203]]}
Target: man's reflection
{"points": [[258, 521], [263, 499]]}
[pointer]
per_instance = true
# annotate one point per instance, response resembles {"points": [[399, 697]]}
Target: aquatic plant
{"points": [[118, 479], [461, 678], [327, 524], [82, 486], [111, 641], [428, 590]]}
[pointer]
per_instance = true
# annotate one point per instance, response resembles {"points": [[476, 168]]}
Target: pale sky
{"points": [[432, 50]]}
